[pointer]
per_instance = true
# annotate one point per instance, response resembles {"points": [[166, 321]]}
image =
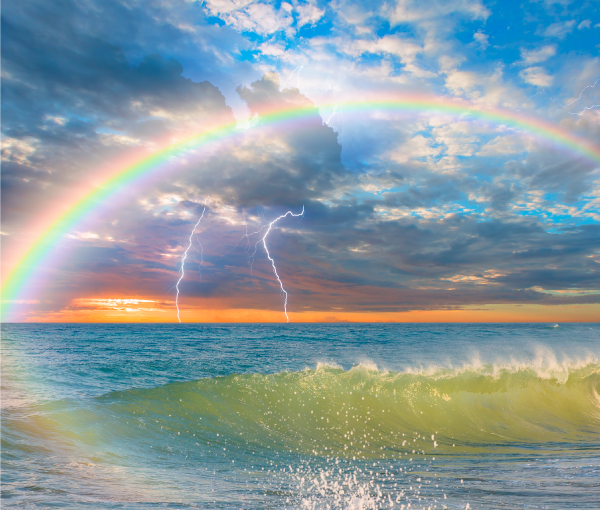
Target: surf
{"points": [[358, 413]]}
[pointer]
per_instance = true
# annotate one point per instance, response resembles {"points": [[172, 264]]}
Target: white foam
{"points": [[544, 362], [321, 365]]}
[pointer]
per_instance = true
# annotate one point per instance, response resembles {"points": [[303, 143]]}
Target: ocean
{"points": [[311, 416]]}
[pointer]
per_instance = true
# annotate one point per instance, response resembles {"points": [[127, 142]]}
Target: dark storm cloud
{"points": [[275, 166], [491, 261], [551, 171], [399, 254], [400, 265], [347, 212], [433, 191], [90, 82], [72, 100]]}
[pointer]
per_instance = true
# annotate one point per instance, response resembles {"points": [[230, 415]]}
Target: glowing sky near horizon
{"points": [[423, 213]]}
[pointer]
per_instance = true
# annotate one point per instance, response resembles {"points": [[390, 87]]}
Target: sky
{"points": [[410, 215]]}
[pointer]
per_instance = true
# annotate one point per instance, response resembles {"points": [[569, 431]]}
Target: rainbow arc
{"points": [[285, 118]]}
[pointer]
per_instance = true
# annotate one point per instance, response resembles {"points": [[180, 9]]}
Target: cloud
{"points": [[262, 17], [481, 39], [73, 101], [504, 145], [529, 57], [248, 16], [536, 76], [559, 30], [410, 11], [274, 167], [484, 88], [405, 49], [19, 151], [276, 49], [418, 147], [564, 3], [119, 304], [308, 13], [586, 23]]}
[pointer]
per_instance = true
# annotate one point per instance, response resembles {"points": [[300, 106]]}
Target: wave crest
{"points": [[364, 411]]}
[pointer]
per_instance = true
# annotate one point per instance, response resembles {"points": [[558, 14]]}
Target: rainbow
{"points": [[128, 174]]}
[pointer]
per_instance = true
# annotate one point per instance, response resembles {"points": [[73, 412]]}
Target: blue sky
{"points": [[404, 213]]}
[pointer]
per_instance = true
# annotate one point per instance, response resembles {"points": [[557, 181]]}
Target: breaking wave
{"points": [[366, 412]]}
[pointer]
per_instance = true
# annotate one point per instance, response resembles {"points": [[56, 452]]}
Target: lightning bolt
{"points": [[250, 257], [577, 99], [185, 256], [264, 242], [331, 116], [249, 123], [298, 69], [247, 236], [586, 108]]}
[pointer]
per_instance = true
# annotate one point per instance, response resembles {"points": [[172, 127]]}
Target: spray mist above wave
{"points": [[542, 361]]}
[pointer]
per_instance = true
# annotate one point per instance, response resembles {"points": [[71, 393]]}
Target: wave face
{"points": [[365, 412]]}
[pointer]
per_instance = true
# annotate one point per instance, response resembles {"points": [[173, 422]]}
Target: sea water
{"points": [[318, 416]]}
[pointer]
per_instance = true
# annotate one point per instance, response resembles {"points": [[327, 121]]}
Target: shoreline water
{"points": [[301, 417]]}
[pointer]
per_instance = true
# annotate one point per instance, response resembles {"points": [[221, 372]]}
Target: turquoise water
{"points": [[301, 416]]}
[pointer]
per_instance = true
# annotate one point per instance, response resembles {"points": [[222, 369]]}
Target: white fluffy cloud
{"points": [[486, 89], [262, 17], [249, 16], [404, 48], [530, 57], [536, 76], [410, 11], [507, 144], [308, 13]]}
